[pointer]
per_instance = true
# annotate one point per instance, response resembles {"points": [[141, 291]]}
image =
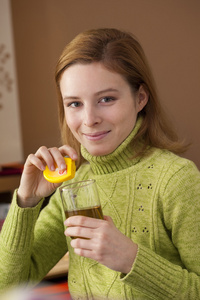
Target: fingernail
{"points": [[74, 156], [42, 168], [63, 166], [52, 168]]}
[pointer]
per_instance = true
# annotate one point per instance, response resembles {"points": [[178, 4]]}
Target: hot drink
{"points": [[92, 212], [81, 199]]}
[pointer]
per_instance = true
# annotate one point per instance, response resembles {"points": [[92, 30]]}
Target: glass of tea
{"points": [[81, 198]]}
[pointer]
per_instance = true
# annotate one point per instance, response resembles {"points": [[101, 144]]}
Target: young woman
{"points": [[147, 247]]}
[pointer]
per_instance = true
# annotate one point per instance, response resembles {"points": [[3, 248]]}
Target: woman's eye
{"points": [[107, 99], [73, 104]]}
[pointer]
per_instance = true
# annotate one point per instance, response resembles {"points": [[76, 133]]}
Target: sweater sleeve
{"points": [[152, 274], [31, 243]]}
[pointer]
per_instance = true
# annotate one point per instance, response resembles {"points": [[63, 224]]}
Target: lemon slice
{"points": [[57, 175]]}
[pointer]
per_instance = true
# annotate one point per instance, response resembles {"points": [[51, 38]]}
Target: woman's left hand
{"points": [[102, 241]]}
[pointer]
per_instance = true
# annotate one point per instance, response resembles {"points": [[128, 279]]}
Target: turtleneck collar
{"points": [[119, 159]]}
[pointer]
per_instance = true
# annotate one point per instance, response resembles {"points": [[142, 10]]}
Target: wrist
{"points": [[24, 201], [131, 260]]}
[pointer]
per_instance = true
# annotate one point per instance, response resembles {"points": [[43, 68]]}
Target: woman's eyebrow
{"points": [[105, 91], [96, 94], [70, 98]]}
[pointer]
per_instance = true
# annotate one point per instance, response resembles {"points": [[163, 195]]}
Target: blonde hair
{"points": [[120, 52]]}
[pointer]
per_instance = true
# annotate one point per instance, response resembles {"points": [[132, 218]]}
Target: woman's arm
{"points": [[151, 273], [30, 245]]}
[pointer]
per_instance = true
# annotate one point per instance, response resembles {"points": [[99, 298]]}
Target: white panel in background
{"points": [[10, 132]]}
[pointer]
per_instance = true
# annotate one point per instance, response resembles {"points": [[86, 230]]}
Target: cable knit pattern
{"points": [[154, 200]]}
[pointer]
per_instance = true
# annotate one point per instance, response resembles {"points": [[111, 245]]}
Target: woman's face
{"points": [[100, 108]]}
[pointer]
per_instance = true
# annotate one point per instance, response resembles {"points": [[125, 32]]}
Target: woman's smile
{"points": [[96, 136]]}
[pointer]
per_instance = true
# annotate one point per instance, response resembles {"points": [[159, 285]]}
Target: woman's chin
{"points": [[98, 152]]}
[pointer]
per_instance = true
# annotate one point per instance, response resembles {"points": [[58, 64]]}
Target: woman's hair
{"points": [[120, 52]]}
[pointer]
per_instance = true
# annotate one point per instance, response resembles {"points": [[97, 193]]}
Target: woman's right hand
{"points": [[33, 186]]}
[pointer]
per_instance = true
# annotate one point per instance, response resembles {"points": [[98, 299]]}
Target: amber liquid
{"points": [[92, 212]]}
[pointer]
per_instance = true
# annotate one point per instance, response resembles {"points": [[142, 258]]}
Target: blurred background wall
{"points": [[168, 31]]}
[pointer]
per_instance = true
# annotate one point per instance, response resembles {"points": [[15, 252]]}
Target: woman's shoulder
{"points": [[173, 170], [163, 166], [170, 161]]}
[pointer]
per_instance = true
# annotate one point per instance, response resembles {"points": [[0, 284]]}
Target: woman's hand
{"points": [[33, 186], [102, 241]]}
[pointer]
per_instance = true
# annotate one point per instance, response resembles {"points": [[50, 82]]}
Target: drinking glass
{"points": [[81, 198]]}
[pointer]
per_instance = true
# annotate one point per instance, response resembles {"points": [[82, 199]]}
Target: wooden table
{"points": [[60, 269]]}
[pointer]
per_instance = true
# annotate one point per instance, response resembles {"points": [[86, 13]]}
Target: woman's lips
{"points": [[96, 136]]}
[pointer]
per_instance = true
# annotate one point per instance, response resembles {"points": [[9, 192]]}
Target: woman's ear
{"points": [[142, 98]]}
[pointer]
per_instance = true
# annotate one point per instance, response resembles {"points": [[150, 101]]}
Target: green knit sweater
{"points": [[154, 200]]}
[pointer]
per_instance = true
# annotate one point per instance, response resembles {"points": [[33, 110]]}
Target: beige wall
{"points": [[168, 30]]}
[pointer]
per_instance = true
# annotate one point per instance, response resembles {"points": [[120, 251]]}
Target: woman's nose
{"points": [[91, 116]]}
